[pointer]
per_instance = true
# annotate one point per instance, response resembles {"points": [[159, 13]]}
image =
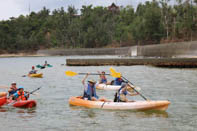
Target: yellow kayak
{"points": [[36, 75]]}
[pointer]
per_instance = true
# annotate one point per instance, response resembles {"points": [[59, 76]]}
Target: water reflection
{"points": [[141, 114], [18, 110], [91, 113], [157, 113], [2, 109]]}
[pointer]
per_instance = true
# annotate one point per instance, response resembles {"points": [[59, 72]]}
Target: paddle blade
{"points": [[116, 75], [4, 87], [112, 70], [38, 66], [70, 73], [49, 65]]}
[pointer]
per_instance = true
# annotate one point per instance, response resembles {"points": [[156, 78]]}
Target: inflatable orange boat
{"points": [[3, 100], [22, 104]]}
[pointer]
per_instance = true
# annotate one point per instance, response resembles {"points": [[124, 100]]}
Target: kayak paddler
{"points": [[122, 93], [20, 94], [45, 64], [117, 81], [103, 79], [33, 71], [13, 89], [89, 89]]}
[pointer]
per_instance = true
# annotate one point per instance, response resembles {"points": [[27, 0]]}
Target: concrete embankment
{"points": [[86, 51], [180, 54], [181, 49], [160, 62]]}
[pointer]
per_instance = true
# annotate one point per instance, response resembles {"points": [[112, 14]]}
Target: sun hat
{"points": [[92, 81], [13, 82]]}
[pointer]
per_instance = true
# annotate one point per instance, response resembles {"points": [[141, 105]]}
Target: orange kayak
{"points": [[2, 94], [22, 104], [3, 100], [136, 105]]}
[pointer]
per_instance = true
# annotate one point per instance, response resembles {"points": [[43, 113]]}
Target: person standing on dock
{"points": [[90, 89]]}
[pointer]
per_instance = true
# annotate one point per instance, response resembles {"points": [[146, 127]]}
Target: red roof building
{"points": [[113, 8]]}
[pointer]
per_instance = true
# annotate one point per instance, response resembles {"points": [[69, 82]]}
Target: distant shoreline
{"points": [[21, 55]]}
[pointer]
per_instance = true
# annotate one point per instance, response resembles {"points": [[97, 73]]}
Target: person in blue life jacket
{"points": [[122, 93], [33, 71], [118, 81], [89, 89], [13, 89], [20, 94], [103, 79]]}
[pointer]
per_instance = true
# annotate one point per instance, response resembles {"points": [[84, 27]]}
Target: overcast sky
{"points": [[14, 8]]}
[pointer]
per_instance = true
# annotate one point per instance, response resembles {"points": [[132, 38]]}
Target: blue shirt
{"points": [[12, 92], [32, 72], [118, 81]]}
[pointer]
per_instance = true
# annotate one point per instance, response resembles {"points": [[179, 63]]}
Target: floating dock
{"points": [[159, 62]]}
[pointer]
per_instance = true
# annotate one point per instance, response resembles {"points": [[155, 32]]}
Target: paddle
{"points": [[4, 87], [35, 90], [71, 73], [32, 92], [113, 71], [49, 65]]}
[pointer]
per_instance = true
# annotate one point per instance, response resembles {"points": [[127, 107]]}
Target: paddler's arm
{"points": [[83, 81], [26, 95], [99, 73], [133, 94], [15, 95], [100, 81], [10, 90]]}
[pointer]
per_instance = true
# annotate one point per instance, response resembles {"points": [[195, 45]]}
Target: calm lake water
{"points": [[53, 112]]}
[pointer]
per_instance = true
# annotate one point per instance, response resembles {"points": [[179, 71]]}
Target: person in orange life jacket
{"points": [[89, 90], [33, 71], [103, 79], [122, 93], [118, 81], [13, 89], [20, 94]]}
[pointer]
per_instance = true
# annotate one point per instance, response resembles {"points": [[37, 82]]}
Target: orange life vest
{"points": [[21, 96]]}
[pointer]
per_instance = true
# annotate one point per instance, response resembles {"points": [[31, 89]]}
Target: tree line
{"points": [[150, 23]]}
